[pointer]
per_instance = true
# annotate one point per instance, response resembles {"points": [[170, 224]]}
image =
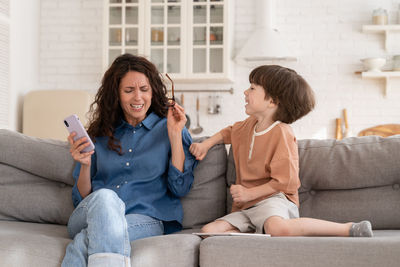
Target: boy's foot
{"points": [[361, 229]]}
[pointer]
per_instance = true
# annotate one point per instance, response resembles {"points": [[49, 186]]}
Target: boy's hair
{"points": [[287, 89]]}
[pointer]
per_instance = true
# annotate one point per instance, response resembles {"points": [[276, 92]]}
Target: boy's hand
{"points": [[199, 150], [240, 194]]}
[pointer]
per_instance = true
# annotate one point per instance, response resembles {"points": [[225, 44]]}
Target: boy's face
{"points": [[256, 102]]}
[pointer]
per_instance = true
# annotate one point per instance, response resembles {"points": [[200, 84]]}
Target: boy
{"points": [[265, 196]]}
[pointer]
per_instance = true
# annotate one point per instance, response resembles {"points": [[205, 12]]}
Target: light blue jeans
{"points": [[102, 232]]}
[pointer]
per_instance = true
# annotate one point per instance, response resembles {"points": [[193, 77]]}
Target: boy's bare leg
{"points": [[277, 226], [219, 226]]}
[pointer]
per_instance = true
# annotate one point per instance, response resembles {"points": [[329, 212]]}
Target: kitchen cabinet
{"points": [[188, 39]]}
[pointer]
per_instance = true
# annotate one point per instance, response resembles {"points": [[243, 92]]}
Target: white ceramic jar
{"points": [[380, 17], [398, 15], [396, 63]]}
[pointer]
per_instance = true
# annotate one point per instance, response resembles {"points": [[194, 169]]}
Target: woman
{"points": [[130, 186]]}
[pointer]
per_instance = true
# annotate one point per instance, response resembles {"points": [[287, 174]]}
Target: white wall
{"points": [[24, 55], [71, 44], [325, 35], [4, 63]]}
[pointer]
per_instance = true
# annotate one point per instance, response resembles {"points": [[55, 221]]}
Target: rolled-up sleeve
{"points": [[179, 183]]}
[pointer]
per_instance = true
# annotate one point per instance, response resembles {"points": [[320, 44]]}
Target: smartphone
{"points": [[73, 124]]}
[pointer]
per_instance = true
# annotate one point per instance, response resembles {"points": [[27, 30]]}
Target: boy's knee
{"points": [[216, 227], [276, 227], [209, 228]]}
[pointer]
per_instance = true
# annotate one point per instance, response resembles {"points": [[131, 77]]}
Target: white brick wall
{"points": [[325, 35], [71, 44]]}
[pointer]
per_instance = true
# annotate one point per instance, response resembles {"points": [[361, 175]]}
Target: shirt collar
{"points": [[266, 130], [148, 122]]}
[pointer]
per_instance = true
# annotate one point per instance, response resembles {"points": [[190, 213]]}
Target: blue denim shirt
{"points": [[143, 177]]}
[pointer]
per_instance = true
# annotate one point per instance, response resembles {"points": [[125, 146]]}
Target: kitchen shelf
{"points": [[386, 75], [230, 90], [384, 29]]}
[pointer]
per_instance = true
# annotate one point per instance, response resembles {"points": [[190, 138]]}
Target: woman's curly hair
{"points": [[106, 112]]}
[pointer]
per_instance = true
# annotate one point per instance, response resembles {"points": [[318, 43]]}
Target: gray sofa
{"points": [[349, 180]]}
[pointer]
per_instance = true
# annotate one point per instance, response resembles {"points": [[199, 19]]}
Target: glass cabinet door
{"points": [[181, 37], [208, 36], [165, 35], [123, 28]]}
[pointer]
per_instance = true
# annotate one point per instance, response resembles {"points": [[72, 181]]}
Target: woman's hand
{"points": [[176, 119], [199, 150], [76, 148]]}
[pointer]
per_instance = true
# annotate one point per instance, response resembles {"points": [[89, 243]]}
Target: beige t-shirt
{"points": [[270, 156]]}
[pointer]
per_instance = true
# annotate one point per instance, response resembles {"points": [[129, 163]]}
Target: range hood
{"points": [[265, 43]]}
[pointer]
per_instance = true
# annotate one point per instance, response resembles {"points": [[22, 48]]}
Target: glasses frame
{"points": [[171, 100]]}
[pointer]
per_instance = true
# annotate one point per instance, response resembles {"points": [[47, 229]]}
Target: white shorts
{"points": [[252, 219]]}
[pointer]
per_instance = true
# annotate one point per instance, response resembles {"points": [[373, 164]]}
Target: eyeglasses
{"points": [[171, 100]]}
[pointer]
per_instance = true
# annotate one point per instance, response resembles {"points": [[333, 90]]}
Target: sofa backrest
{"points": [[346, 180], [36, 179], [36, 182], [351, 180], [206, 200]]}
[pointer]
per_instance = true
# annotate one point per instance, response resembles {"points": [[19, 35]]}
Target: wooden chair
{"points": [[381, 130], [45, 110]]}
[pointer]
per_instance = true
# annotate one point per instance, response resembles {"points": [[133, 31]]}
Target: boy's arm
{"points": [[199, 150], [241, 194]]}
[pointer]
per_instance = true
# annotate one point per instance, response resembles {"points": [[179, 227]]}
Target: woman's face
{"points": [[135, 96]]}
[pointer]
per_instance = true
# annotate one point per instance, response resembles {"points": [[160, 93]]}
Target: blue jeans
{"points": [[102, 232]]}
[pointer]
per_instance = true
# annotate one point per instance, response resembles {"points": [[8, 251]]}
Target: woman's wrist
{"points": [[174, 134]]}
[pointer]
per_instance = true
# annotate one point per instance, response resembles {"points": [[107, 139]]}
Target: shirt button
{"points": [[127, 164], [130, 150], [117, 186], [126, 182], [134, 131]]}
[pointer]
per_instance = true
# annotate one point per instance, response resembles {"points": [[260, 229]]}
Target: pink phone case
{"points": [[73, 124]]}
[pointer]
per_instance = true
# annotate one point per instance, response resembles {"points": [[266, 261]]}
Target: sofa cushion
{"points": [[36, 179], [178, 250], [381, 250], [351, 180], [32, 244], [206, 201], [46, 158], [37, 245], [230, 179], [27, 197]]}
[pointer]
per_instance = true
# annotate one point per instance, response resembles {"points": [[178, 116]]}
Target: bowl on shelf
{"points": [[373, 63]]}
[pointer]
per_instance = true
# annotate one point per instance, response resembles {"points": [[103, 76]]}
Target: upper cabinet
{"points": [[188, 39]]}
